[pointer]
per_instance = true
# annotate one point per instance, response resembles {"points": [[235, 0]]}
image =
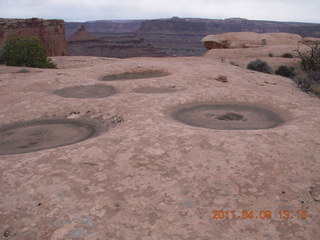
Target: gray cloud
{"points": [[81, 10]]}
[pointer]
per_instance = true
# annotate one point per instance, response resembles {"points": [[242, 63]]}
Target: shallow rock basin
{"points": [[229, 116], [136, 75], [37, 135], [87, 91]]}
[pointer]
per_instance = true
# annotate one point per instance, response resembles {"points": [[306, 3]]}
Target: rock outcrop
{"points": [[248, 40], [49, 32], [310, 41]]}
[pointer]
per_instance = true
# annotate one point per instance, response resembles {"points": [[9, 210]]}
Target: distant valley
{"points": [[169, 37]]}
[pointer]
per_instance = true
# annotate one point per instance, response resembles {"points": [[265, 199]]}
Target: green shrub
{"points": [[286, 71], [260, 66], [26, 51], [287, 55]]}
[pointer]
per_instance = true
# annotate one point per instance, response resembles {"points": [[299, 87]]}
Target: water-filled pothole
{"points": [[37, 135], [155, 89], [136, 75], [87, 91], [229, 116]]}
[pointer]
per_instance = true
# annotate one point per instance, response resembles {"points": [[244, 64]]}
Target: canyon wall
{"points": [[51, 33], [182, 36], [84, 43]]}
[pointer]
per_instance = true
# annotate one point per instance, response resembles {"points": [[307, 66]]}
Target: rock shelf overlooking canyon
{"points": [[131, 147]]}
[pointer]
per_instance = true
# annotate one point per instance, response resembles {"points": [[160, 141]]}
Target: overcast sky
{"points": [[85, 10]]}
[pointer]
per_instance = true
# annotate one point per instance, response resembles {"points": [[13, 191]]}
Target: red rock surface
{"points": [[49, 32], [152, 177]]}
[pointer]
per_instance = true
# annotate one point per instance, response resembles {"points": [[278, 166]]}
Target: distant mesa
{"points": [[85, 43], [82, 35]]}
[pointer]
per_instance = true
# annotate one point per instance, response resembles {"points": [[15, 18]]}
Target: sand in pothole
{"points": [[155, 90], [43, 134], [136, 75], [228, 116], [87, 91]]}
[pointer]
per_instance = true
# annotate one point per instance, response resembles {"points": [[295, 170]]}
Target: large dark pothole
{"points": [[43, 134], [87, 91], [228, 116], [136, 75]]}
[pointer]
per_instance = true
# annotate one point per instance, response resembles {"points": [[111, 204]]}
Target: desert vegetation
{"points": [[260, 66], [309, 79], [286, 71], [26, 51], [287, 55]]}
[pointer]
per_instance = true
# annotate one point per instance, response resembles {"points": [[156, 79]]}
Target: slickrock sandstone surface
{"points": [[49, 32], [150, 176]]}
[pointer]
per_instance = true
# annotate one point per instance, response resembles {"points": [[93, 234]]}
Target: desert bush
{"points": [[310, 64], [260, 66], [316, 89], [270, 54], [287, 55], [310, 60], [1, 55], [234, 64], [26, 51], [308, 82], [286, 71]]}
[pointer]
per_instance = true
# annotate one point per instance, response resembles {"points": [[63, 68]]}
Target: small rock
{"points": [[96, 116], [7, 233], [273, 83], [116, 120], [315, 193], [74, 114], [222, 78]]}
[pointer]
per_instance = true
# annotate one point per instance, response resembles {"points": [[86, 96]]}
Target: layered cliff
{"points": [[84, 43], [177, 25], [49, 32], [104, 26], [182, 36]]}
